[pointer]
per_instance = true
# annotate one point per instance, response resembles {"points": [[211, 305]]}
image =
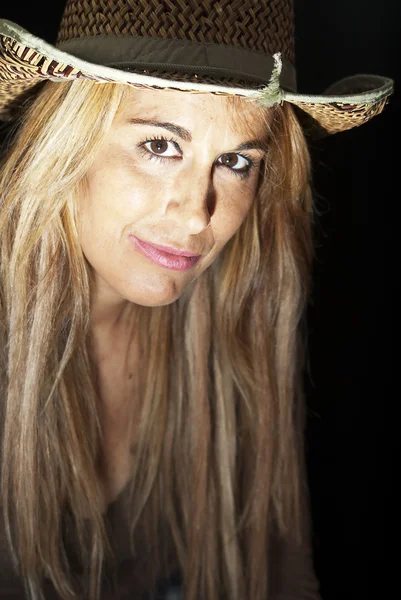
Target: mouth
{"points": [[165, 256], [172, 249]]}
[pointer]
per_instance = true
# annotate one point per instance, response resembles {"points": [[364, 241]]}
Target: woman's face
{"points": [[175, 170]]}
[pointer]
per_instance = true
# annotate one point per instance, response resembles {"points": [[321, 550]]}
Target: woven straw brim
{"points": [[25, 61]]}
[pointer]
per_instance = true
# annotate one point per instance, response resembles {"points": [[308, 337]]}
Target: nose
{"points": [[190, 199]]}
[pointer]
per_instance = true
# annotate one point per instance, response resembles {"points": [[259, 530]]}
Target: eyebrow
{"points": [[186, 135]]}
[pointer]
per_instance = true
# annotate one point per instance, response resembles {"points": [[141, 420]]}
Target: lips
{"points": [[168, 259], [171, 249]]}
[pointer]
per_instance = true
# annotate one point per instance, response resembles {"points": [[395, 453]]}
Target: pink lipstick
{"points": [[175, 259]]}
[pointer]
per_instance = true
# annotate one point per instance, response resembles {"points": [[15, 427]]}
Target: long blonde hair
{"points": [[219, 456]]}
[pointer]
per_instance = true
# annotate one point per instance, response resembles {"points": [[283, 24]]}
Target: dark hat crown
{"points": [[266, 26]]}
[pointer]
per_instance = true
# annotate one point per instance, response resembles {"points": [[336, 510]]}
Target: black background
{"points": [[353, 431], [352, 434]]}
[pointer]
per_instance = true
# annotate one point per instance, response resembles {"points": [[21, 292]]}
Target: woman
{"points": [[155, 259]]}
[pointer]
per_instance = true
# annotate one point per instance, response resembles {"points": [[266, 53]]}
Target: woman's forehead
{"points": [[234, 112]]}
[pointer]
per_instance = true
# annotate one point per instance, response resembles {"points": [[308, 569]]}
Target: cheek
{"points": [[117, 197], [230, 214]]}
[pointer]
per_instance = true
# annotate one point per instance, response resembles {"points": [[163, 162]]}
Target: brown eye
{"points": [[229, 160], [158, 146], [237, 163]]}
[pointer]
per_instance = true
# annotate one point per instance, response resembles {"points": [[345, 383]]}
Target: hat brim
{"points": [[26, 60]]}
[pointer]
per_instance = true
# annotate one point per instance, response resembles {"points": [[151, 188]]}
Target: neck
{"points": [[113, 344], [112, 326], [110, 314]]}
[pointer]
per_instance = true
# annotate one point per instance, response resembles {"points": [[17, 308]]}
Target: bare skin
{"points": [[193, 199], [116, 361]]}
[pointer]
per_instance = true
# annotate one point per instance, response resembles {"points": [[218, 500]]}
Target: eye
{"points": [[157, 147], [239, 165], [237, 162]]}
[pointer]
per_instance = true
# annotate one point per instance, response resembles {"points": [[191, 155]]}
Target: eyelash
{"points": [[150, 156]]}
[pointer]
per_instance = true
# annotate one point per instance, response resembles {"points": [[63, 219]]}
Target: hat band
{"points": [[141, 52]]}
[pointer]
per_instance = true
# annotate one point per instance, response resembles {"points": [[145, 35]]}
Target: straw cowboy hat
{"points": [[234, 47]]}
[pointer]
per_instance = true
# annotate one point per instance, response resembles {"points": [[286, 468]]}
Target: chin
{"points": [[152, 303], [152, 297]]}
